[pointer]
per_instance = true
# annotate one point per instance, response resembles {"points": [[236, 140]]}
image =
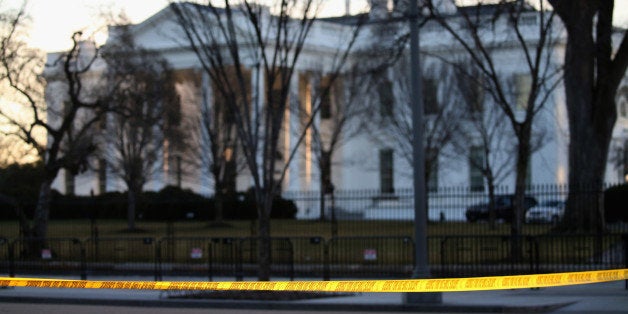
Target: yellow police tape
{"points": [[409, 285]]}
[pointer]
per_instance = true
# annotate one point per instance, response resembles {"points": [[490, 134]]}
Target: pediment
{"points": [[158, 32]]}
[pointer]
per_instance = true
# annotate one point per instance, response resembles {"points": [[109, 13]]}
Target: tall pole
{"points": [[421, 266]]}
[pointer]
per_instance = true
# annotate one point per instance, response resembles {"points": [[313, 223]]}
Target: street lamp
{"points": [[421, 266]]}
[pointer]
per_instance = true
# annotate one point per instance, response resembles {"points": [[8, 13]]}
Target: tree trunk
{"points": [[264, 245], [517, 221], [223, 190], [41, 216], [25, 228], [523, 161], [131, 206], [587, 166], [491, 203], [591, 80], [590, 126], [584, 213], [42, 211], [326, 185], [322, 203]]}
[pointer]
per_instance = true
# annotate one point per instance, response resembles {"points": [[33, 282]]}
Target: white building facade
{"points": [[369, 157]]}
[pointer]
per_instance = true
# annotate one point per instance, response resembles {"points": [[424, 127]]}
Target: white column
{"points": [[258, 101], [205, 107], [315, 82]]}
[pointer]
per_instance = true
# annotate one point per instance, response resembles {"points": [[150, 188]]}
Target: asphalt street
{"points": [[608, 297], [15, 308]]}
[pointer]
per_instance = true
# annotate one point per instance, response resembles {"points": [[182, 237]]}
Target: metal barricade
{"points": [[370, 257], [5, 262], [198, 257], [281, 256], [122, 256], [563, 253], [468, 256], [309, 255], [51, 256]]}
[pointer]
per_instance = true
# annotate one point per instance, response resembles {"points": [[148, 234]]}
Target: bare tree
{"points": [[68, 126], [228, 40], [13, 32], [593, 71], [67, 117], [485, 139], [217, 135], [146, 113], [12, 150], [340, 99], [475, 30], [618, 155], [443, 115]]}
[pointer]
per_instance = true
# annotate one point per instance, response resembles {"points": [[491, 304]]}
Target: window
{"points": [[102, 176], [625, 174], [326, 106], [623, 108], [386, 99], [622, 102], [69, 183], [528, 20], [228, 100], [432, 179], [326, 99], [386, 171], [476, 97], [430, 96], [523, 20], [469, 83], [476, 163], [523, 84]]}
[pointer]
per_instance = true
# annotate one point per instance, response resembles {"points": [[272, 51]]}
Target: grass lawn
{"points": [[453, 242]]}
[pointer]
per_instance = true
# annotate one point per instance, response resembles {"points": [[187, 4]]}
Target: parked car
{"points": [[546, 212], [504, 208]]}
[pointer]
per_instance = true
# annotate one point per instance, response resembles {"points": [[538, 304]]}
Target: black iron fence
{"points": [[449, 207], [311, 257], [370, 257], [350, 234], [451, 211]]}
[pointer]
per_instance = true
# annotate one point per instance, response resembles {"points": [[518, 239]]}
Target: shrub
{"points": [[283, 208], [20, 184], [615, 200], [173, 203], [242, 205], [170, 203]]}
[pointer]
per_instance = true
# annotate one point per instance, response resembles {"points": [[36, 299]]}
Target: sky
{"points": [[54, 21]]}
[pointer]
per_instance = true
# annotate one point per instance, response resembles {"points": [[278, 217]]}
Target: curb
{"points": [[289, 305]]}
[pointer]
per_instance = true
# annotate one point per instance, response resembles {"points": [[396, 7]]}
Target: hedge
{"points": [[170, 203], [616, 203]]}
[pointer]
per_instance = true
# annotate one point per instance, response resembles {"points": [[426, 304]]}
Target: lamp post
{"points": [[421, 266]]}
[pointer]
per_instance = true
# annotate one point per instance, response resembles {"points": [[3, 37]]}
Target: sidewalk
{"points": [[610, 297]]}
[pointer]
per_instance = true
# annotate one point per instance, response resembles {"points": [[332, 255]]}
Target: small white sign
{"points": [[370, 254], [46, 254], [196, 253]]}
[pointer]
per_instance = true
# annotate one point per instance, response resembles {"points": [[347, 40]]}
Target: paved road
{"points": [[20, 308], [11, 308], [609, 297]]}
